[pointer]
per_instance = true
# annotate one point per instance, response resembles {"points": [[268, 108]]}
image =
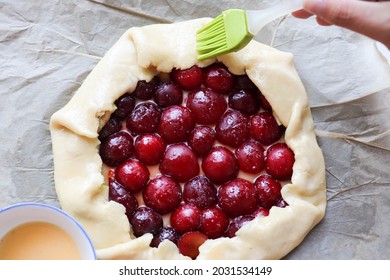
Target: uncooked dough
{"points": [[140, 54]]}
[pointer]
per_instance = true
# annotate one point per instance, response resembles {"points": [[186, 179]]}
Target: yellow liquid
{"points": [[38, 241]]}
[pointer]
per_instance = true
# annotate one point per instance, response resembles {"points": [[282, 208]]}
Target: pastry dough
{"points": [[139, 54]]}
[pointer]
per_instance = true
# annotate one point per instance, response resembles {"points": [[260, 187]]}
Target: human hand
{"points": [[365, 17]]}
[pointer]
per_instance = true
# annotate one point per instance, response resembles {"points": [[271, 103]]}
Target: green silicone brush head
{"points": [[226, 33]]}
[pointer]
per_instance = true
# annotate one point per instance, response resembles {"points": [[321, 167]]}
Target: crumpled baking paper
{"points": [[47, 48]]}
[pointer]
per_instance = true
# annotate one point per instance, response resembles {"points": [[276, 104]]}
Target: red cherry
{"points": [[244, 82], [116, 148], [236, 224], [117, 193], [179, 162], [213, 222], [207, 105], [220, 165], [218, 78], [145, 90], [280, 161], [201, 140], [144, 118], [190, 242], [168, 94], [133, 175], [269, 190], [265, 129], [162, 194], [250, 157], [176, 124], [265, 104], [124, 105], [246, 101], [112, 126], [145, 220], [185, 218], [149, 148], [200, 191], [238, 197], [188, 79], [233, 128], [166, 233]]}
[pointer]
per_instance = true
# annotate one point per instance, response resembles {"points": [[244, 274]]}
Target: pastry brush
{"points": [[234, 28]]}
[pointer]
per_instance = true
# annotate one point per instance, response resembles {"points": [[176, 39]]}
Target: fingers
{"points": [[305, 14], [346, 13], [368, 18]]}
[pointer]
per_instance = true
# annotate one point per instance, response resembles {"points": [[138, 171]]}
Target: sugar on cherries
{"points": [[202, 128]]}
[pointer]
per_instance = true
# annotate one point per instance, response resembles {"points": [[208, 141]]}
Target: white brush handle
{"points": [[259, 18]]}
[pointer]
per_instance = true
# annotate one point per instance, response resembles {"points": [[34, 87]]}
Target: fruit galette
{"points": [[160, 156]]}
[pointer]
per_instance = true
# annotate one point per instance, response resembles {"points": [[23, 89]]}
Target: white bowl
{"points": [[18, 214]]}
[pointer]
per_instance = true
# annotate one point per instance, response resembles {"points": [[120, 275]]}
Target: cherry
{"points": [[233, 128], [244, 82], [144, 118], [238, 197], [188, 79], [145, 220], [246, 101], [264, 103], [112, 126], [162, 194], [213, 222], [236, 224], [279, 161], [218, 78], [179, 162], [149, 148], [207, 105], [250, 157], [200, 191], [220, 165], [176, 124], [190, 242], [268, 190], [145, 90], [265, 129], [201, 140], [168, 94], [116, 148], [185, 218], [124, 105], [133, 175], [166, 233], [117, 193]]}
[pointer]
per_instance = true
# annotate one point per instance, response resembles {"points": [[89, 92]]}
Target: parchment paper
{"points": [[47, 48]]}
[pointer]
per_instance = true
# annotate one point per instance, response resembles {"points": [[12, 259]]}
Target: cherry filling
{"points": [[200, 146]]}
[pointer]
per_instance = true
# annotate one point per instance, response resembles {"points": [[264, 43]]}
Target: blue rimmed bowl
{"points": [[22, 213]]}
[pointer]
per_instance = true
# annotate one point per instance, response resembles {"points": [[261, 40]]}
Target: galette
{"points": [[161, 156]]}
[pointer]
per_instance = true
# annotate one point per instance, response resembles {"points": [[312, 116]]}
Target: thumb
{"points": [[369, 18]]}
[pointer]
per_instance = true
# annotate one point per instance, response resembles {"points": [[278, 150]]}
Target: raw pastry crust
{"points": [[139, 54]]}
